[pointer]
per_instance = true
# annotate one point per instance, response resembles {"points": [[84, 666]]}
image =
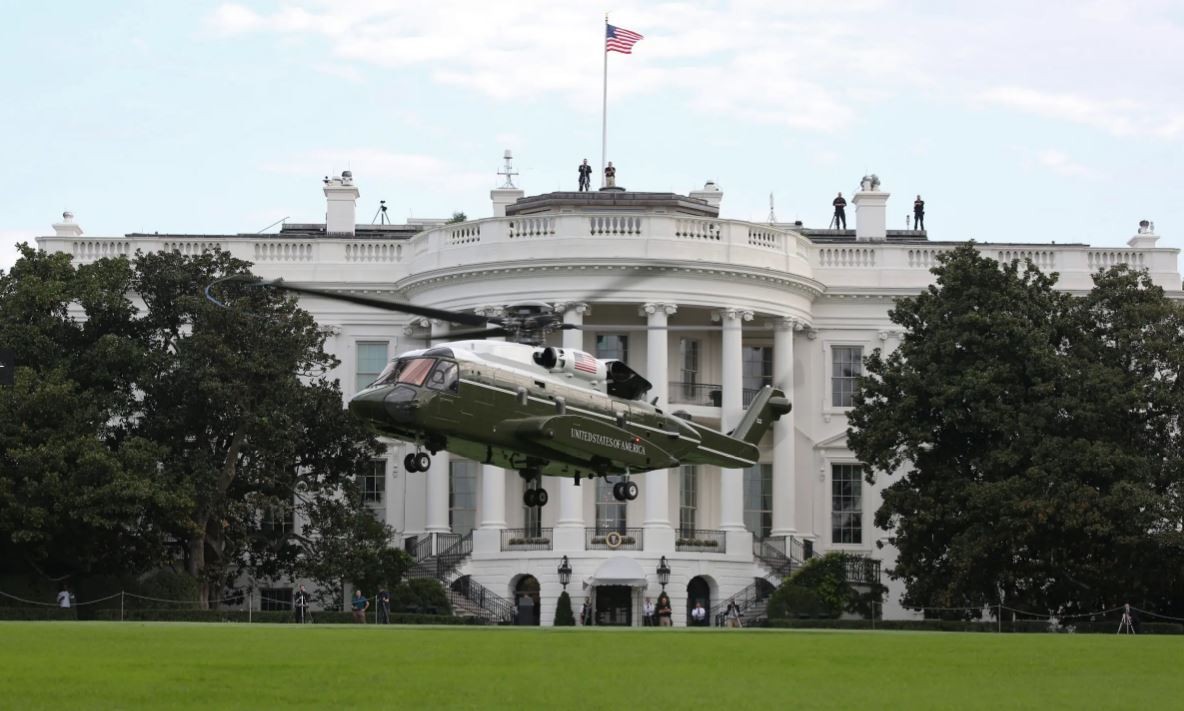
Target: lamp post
{"points": [[663, 573], [564, 572]]}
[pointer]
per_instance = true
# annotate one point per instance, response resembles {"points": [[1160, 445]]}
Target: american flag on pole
{"points": [[619, 39], [585, 362]]}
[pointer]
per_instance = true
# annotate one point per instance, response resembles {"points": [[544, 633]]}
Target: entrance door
{"points": [[698, 591], [614, 605], [526, 595]]}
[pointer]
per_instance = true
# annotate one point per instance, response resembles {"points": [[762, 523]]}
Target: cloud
{"points": [[231, 19], [1062, 164], [1116, 116]]}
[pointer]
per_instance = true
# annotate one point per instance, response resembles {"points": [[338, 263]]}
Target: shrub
{"points": [[421, 595], [38, 613], [795, 601], [564, 617], [826, 578]]}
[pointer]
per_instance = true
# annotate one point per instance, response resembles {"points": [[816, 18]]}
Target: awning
{"points": [[619, 571]]}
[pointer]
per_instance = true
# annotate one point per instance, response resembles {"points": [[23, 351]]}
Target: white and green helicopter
{"points": [[538, 409]]}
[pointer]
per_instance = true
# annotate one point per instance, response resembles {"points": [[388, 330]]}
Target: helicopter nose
{"points": [[385, 404]]}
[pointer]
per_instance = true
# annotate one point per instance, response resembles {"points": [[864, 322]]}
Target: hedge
{"points": [[38, 613], [971, 626], [284, 617]]}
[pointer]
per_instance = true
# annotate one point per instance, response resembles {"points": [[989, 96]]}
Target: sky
{"points": [[1017, 121]]}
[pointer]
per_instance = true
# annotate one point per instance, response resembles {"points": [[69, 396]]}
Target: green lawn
{"points": [[177, 665]]}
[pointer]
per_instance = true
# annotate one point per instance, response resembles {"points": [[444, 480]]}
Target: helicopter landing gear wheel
{"points": [[409, 463], [530, 497], [422, 462], [630, 490], [540, 497], [619, 491]]}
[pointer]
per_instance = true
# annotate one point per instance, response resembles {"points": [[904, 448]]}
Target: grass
{"points": [[79, 665]]}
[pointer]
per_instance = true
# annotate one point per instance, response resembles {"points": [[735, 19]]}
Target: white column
{"points": [[659, 534], [731, 488], [569, 527], [784, 481], [437, 505]]}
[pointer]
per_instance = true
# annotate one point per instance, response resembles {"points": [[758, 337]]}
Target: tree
{"points": [[239, 400], [171, 424], [457, 216], [1033, 437], [564, 617], [819, 589], [79, 492]]}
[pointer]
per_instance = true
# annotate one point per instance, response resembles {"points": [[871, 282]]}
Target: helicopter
{"points": [[538, 409]]}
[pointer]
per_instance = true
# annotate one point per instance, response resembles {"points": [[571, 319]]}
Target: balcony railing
{"points": [[521, 539], [622, 539], [704, 394], [700, 541], [861, 570]]}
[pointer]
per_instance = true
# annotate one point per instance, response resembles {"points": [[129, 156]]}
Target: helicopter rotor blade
{"points": [[459, 317], [472, 334]]}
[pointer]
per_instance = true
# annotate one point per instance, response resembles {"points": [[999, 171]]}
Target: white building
{"points": [[754, 303]]}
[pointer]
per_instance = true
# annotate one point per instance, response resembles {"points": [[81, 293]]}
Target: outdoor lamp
{"points": [[663, 572], [564, 572]]}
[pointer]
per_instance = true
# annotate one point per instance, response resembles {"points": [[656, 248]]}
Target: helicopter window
{"points": [[444, 377], [412, 371]]}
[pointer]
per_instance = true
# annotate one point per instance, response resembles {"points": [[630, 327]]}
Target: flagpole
{"points": [[604, 103]]}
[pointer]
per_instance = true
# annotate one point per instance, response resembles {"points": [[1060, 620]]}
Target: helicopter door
{"points": [[445, 381]]}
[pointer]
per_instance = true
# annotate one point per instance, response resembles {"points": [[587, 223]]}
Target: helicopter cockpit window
{"points": [[444, 377], [412, 371]]}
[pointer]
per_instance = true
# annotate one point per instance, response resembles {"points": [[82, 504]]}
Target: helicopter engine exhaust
{"points": [[570, 363]]}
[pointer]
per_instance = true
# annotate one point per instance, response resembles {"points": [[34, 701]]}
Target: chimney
{"points": [[1145, 238], [711, 194], [871, 210], [341, 197], [508, 193], [67, 227]]}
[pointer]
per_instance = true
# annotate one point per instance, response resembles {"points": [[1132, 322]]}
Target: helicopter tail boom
{"points": [[767, 407]]}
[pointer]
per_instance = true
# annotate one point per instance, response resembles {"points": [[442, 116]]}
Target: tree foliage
{"points": [[819, 589], [564, 617], [148, 421], [1034, 438]]}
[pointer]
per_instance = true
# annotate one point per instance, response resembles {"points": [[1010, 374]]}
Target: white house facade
{"points": [[745, 304]]}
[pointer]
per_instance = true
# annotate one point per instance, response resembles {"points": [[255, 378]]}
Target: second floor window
{"points": [[372, 358], [846, 504], [846, 367], [757, 370], [610, 513], [613, 347], [374, 484], [689, 350]]}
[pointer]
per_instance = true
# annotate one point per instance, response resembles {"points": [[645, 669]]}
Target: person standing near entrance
{"points": [[65, 598], [732, 615], [586, 613], [384, 607], [699, 614], [647, 612], [664, 610], [918, 214]]}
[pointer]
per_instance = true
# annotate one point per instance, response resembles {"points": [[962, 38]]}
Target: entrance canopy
{"points": [[619, 571]]}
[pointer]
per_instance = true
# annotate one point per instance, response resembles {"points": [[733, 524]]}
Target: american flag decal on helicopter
{"points": [[585, 362]]}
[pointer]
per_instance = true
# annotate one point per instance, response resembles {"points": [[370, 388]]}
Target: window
{"points": [[847, 366], [373, 484], [613, 348], [689, 348], [275, 599], [846, 503], [444, 377], [372, 358], [533, 516], [758, 500], [279, 520], [462, 496], [610, 513], [757, 364], [688, 501]]}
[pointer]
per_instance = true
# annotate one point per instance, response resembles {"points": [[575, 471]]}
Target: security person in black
{"points": [[840, 212], [918, 214], [585, 175]]}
